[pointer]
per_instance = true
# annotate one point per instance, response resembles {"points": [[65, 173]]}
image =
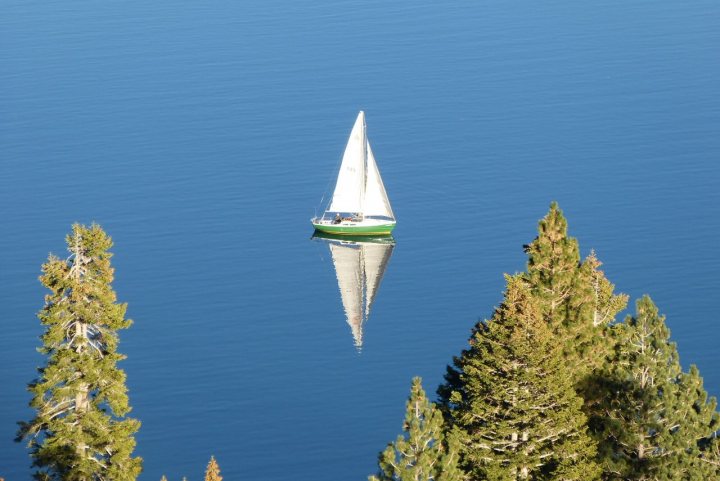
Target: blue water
{"points": [[201, 136]]}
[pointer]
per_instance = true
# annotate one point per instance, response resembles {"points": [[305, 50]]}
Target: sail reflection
{"points": [[360, 264]]}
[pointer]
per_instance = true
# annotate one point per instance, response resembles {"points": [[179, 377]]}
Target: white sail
{"points": [[350, 186], [358, 190], [375, 260], [349, 271], [376, 199]]}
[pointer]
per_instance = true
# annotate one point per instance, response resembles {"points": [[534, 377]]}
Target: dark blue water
{"points": [[201, 136]]}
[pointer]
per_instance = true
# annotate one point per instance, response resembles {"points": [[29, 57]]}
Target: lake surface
{"points": [[202, 135]]}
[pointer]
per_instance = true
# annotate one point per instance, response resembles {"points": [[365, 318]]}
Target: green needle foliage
{"points": [[711, 455], [79, 432], [700, 429], [595, 299], [512, 401], [655, 422], [553, 262], [576, 300], [425, 454]]}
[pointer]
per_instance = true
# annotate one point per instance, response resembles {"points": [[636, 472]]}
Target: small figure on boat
{"points": [[338, 218]]}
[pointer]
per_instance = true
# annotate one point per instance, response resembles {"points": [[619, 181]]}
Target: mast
{"points": [[363, 177]]}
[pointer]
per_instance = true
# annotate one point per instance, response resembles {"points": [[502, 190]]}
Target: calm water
{"points": [[201, 137]]}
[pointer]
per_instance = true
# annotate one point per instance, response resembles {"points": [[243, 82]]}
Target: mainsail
{"points": [[359, 267], [359, 187], [350, 186]]}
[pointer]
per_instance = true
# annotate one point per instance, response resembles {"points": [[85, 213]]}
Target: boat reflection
{"points": [[360, 263]]}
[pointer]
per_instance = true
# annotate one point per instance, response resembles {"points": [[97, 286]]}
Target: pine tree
{"points": [[575, 298], [424, 455], [512, 401], [79, 432], [598, 305], [654, 422], [212, 473], [552, 268]]}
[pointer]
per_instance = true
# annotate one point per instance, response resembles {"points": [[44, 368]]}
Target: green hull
{"points": [[383, 229]]}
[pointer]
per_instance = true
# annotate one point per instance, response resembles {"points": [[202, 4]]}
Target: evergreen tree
{"points": [[79, 432], [212, 473], [594, 298], [576, 300], [424, 455], [654, 422], [513, 403], [603, 302], [552, 268]]}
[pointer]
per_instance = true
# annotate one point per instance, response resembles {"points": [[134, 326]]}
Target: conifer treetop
{"points": [[552, 250], [212, 473], [422, 453], [552, 270], [576, 300], [654, 421], [79, 431], [512, 401]]}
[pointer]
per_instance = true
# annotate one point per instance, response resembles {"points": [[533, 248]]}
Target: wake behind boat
{"points": [[359, 205]]}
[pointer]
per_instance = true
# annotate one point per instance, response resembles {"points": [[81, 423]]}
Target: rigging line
{"points": [[327, 187]]}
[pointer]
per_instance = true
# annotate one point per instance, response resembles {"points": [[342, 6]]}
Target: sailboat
{"points": [[359, 205], [360, 264]]}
